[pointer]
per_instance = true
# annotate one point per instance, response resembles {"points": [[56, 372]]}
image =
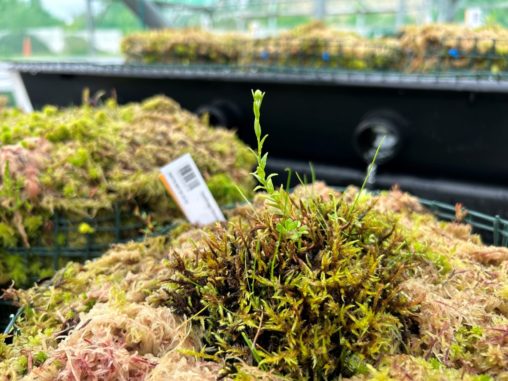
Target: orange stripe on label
{"points": [[170, 191]]}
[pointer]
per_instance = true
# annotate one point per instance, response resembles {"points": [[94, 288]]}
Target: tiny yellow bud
{"points": [[84, 228]]}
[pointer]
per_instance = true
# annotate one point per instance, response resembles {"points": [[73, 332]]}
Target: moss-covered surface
{"points": [[455, 47], [395, 294], [315, 284], [312, 45], [183, 46], [319, 46], [428, 48], [81, 161]]}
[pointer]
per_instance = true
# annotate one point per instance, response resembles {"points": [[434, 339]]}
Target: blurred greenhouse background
{"points": [[92, 30], [84, 28]]}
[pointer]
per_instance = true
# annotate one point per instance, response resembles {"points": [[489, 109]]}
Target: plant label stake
{"points": [[184, 183]]}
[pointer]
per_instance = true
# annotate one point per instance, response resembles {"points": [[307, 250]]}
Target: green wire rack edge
{"points": [[113, 224], [493, 227], [10, 328]]}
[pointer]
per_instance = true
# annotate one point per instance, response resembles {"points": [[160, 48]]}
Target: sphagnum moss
{"points": [[322, 285], [306, 45], [306, 286], [455, 326], [81, 161], [185, 46], [310, 285], [427, 48]]}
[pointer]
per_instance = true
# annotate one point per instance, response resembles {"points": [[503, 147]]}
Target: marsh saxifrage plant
{"points": [[303, 284], [277, 199]]}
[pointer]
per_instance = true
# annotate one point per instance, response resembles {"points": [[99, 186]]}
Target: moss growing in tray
{"points": [[81, 163], [314, 284]]}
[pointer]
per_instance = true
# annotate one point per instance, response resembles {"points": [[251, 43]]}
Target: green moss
{"points": [[39, 269], [465, 341], [33, 224], [85, 228], [69, 190], [61, 239], [49, 110], [6, 137], [101, 117], [442, 262], [59, 134], [7, 235], [81, 161], [358, 65], [80, 158], [15, 269], [320, 312], [223, 187], [40, 357], [95, 172], [22, 364], [305, 287], [82, 129], [503, 292]]}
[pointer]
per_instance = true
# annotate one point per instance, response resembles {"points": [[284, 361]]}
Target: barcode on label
{"points": [[185, 184], [188, 177]]}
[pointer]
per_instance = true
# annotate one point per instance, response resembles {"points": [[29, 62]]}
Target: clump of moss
{"points": [[418, 48], [313, 284], [82, 162], [306, 286], [53, 309], [305, 293], [320, 46], [454, 47], [313, 44], [182, 46], [319, 285], [436, 325]]}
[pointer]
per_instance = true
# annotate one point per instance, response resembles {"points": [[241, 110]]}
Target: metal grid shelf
{"points": [[451, 80], [493, 227], [65, 242], [9, 323]]}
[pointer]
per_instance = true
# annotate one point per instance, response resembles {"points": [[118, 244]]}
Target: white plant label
{"points": [[187, 187]]}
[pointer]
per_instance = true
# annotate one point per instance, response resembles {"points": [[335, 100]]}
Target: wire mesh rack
{"points": [[493, 229], [62, 228], [81, 239], [447, 80], [9, 313]]}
